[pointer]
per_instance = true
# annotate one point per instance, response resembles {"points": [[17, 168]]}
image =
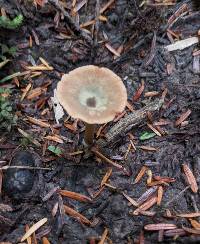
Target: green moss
{"points": [[6, 23]]}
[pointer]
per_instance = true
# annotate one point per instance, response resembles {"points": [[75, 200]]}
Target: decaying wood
{"points": [[128, 122]]}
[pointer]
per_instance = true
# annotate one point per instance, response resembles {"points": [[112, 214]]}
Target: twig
{"points": [[23, 167], [128, 122], [70, 21]]}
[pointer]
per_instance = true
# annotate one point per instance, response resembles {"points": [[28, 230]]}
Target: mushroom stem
{"points": [[89, 134]]}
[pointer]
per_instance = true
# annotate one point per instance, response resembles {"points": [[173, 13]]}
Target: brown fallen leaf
{"points": [[38, 122], [29, 241], [55, 138], [112, 50], [190, 178], [160, 195], [195, 224], [191, 230], [33, 228], [25, 91], [130, 199], [188, 215], [73, 213], [130, 106], [183, 117], [146, 205], [147, 194], [103, 237], [140, 174], [36, 93], [154, 130], [45, 240], [139, 92], [160, 226], [149, 178], [106, 176], [75, 196], [164, 179], [148, 148]]}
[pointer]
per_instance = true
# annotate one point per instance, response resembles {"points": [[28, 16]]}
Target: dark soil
{"points": [[65, 46]]}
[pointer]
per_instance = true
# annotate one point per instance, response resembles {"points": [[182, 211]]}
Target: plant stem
{"points": [[89, 134]]}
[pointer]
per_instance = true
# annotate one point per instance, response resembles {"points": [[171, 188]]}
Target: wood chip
{"points": [[73, 213], [151, 94], [160, 226], [75, 195], [190, 178], [160, 195], [33, 228], [103, 237], [140, 174], [106, 176], [139, 92], [130, 199], [147, 194], [38, 122], [183, 117], [180, 45]]}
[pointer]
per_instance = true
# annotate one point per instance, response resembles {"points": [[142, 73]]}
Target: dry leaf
{"points": [[103, 237], [145, 206], [195, 224], [160, 226], [188, 215], [45, 241], [190, 178], [138, 92], [160, 195], [29, 241], [76, 215], [74, 195], [33, 228], [26, 90], [148, 148], [55, 138], [131, 200], [140, 174], [38, 122], [112, 50], [183, 117], [191, 231], [106, 176]]}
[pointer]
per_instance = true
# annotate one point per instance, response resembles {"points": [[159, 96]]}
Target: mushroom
{"points": [[92, 94]]}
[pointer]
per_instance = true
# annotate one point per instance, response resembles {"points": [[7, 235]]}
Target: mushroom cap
{"points": [[93, 94]]}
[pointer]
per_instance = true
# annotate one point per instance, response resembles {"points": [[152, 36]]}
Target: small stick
{"points": [[23, 167]]}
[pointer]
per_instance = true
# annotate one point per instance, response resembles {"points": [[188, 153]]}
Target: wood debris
{"points": [[74, 195]]}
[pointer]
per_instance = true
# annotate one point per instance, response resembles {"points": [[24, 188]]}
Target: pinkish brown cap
{"points": [[93, 94]]}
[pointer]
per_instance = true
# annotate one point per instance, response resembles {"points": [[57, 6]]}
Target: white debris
{"points": [[57, 108], [179, 45]]}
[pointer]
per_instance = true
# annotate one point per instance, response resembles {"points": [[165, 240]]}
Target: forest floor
{"points": [[144, 189]]}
